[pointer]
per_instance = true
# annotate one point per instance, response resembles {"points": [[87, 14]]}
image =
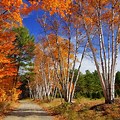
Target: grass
{"points": [[83, 109]]}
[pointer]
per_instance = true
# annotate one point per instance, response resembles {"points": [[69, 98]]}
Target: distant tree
{"points": [[97, 89], [89, 81], [80, 86], [88, 85], [97, 86], [117, 84]]}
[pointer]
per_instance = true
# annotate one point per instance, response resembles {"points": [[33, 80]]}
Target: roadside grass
{"points": [[46, 103], [83, 109]]}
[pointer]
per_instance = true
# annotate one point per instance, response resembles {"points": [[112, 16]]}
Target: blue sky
{"points": [[31, 23]]}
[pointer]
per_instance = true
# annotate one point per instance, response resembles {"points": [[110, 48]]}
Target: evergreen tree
{"points": [[23, 55], [88, 85], [117, 84]]}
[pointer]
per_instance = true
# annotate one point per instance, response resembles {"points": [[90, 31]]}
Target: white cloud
{"points": [[88, 64]]}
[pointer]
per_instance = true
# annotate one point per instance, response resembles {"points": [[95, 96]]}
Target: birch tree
{"points": [[45, 78], [103, 18], [64, 52]]}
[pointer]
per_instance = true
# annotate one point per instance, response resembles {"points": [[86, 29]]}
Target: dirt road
{"points": [[28, 111]]}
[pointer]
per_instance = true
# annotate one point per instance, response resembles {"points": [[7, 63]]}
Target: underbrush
{"points": [[6, 107], [66, 111], [3, 107], [84, 109]]}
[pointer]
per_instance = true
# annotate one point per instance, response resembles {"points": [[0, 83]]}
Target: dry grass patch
{"points": [[83, 109], [50, 105]]}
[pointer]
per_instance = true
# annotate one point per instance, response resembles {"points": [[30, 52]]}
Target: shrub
{"points": [[4, 106], [61, 109]]}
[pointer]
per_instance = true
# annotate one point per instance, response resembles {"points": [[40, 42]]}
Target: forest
{"points": [[47, 67]]}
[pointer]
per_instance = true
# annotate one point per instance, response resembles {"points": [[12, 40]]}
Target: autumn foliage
{"points": [[9, 18]]}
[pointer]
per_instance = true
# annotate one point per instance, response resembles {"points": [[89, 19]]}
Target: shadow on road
{"points": [[27, 112]]}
